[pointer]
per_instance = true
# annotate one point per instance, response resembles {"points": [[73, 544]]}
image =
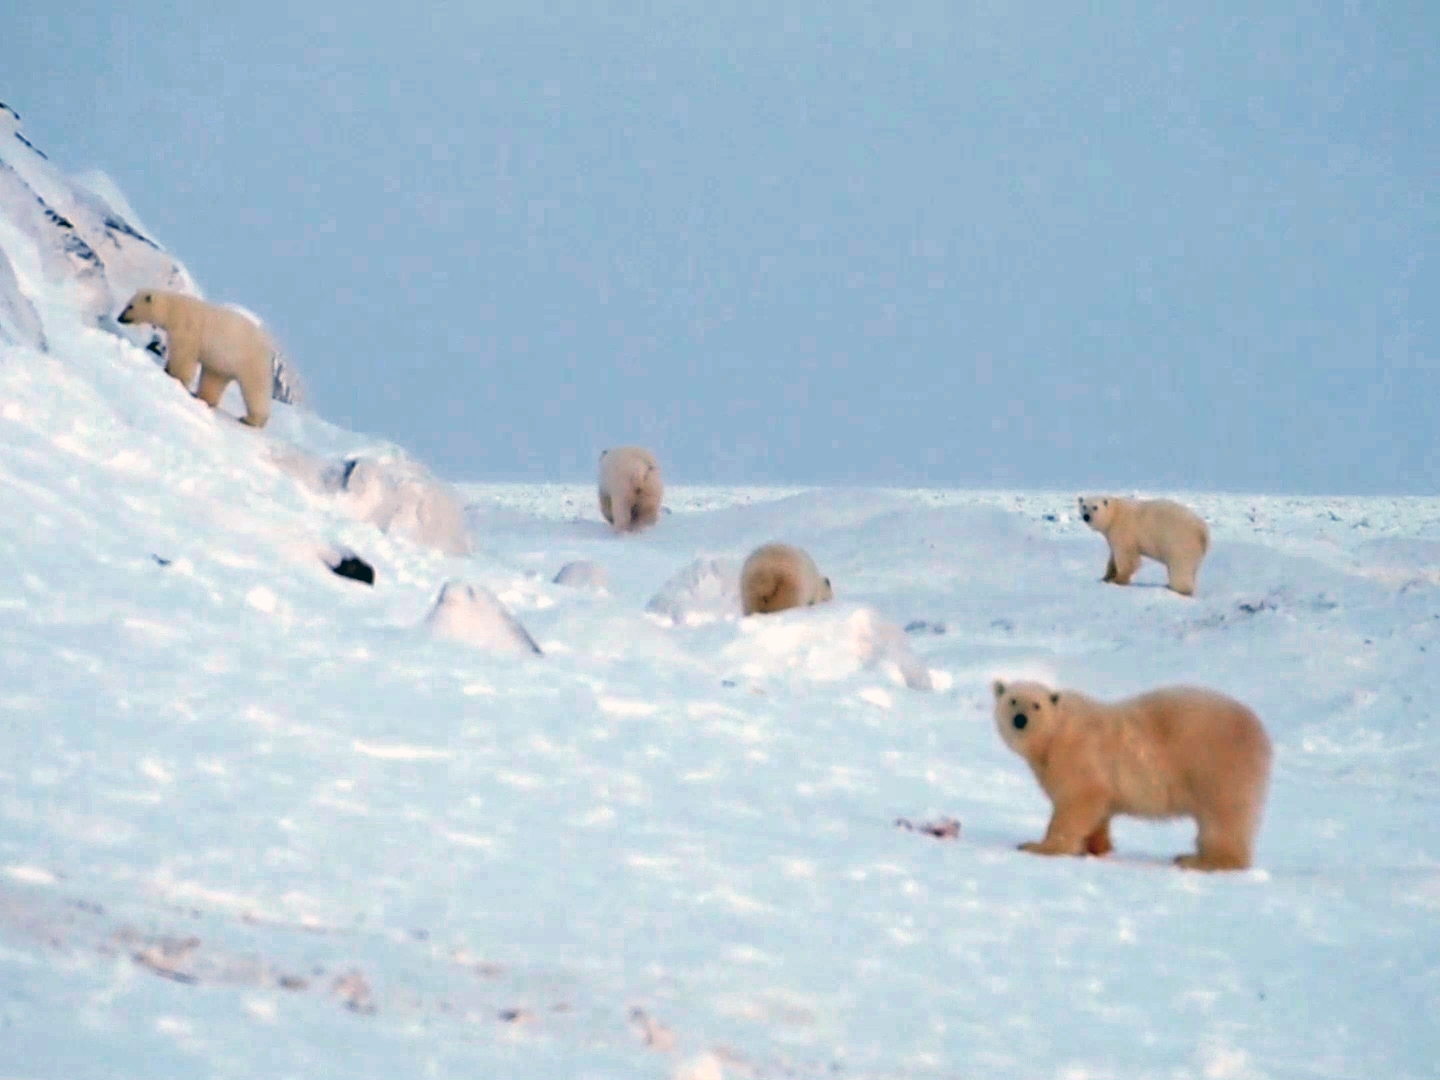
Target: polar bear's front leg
{"points": [[1074, 821], [182, 358], [1127, 561]]}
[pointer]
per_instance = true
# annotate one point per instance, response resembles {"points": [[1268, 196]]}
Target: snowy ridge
{"points": [[85, 248], [256, 819]]}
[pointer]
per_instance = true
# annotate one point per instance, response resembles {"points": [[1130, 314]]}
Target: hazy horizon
{"points": [[926, 247]]}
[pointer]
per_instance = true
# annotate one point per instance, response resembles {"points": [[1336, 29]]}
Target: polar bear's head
{"points": [[146, 306], [1097, 511], [1026, 714]]}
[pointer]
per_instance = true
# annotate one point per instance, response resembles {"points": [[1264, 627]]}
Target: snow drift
{"points": [[474, 615]]}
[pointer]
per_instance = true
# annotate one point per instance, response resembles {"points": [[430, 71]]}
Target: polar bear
{"points": [[630, 488], [1174, 752], [777, 576], [1155, 528], [224, 345]]}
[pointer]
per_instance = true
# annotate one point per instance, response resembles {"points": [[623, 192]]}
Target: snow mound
{"points": [[582, 573], [827, 642], [404, 498], [706, 590], [475, 615], [398, 496]]}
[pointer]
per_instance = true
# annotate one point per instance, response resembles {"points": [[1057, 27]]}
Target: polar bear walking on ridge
{"points": [[1154, 528], [1179, 751], [630, 488], [222, 344]]}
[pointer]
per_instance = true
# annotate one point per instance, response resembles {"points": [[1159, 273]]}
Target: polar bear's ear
{"points": [[998, 687], [1055, 698]]}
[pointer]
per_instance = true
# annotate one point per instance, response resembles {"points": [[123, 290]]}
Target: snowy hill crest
{"points": [[84, 247]]}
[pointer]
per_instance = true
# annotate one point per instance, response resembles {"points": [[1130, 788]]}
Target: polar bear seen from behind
{"points": [[221, 343], [630, 488]]}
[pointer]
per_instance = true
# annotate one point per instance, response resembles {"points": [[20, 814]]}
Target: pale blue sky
{"points": [[1063, 246]]}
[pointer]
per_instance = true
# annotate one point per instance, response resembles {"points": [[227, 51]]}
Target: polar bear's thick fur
{"points": [[777, 576], [1155, 528], [1174, 752], [222, 344], [630, 488]]}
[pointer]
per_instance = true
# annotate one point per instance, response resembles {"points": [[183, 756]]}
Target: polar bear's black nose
{"points": [[1086, 517], [1020, 721]]}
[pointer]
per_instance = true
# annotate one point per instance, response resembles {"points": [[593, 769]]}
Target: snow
{"points": [[474, 615], [256, 820]]}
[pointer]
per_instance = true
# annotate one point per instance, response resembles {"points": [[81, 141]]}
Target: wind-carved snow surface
{"points": [[256, 820]]}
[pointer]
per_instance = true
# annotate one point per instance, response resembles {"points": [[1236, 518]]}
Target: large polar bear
{"points": [[1175, 752], [630, 488], [777, 577], [1155, 528], [222, 343]]}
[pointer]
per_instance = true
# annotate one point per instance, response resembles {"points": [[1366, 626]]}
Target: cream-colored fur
{"points": [[777, 576], [1155, 528], [631, 489], [1175, 752], [220, 343]]}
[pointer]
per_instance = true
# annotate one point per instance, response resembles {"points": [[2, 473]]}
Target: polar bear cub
{"points": [[1174, 752], [223, 344], [630, 488], [777, 576], [1155, 528]]}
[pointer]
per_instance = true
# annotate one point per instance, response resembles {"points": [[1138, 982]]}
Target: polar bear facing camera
{"points": [[777, 577], [222, 344], [1179, 751], [1154, 528], [631, 490]]}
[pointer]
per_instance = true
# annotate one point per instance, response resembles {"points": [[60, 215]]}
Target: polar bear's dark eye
{"points": [[1020, 721]]}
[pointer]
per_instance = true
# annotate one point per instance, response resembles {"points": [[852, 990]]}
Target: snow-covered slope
{"points": [[85, 251], [256, 819]]}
